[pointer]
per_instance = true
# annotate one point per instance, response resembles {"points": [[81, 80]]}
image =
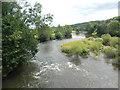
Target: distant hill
{"points": [[110, 26], [83, 25]]}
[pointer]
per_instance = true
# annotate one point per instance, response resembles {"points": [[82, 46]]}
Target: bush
{"points": [[91, 38], [114, 42], [110, 52], [106, 39], [96, 47], [58, 35], [99, 40], [44, 37]]}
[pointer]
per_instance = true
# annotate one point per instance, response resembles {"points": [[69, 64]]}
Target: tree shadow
{"points": [[75, 59]]}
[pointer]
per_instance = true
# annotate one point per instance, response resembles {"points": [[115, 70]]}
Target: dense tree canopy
{"points": [[110, 26], [18, 39]]}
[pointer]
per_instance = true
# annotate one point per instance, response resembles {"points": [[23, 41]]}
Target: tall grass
{"points": [[114, 42], [82, 47], [107, 44], [111, 52], [106, 39]]}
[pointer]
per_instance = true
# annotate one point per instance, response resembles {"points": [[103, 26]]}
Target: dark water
{"points": [[53, 69]]}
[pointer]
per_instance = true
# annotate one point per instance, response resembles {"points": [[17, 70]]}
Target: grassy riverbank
{"points": [[105, 43]]}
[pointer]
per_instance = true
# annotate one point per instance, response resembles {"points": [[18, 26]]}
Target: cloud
{"points": [[77, 11], [85, 10]]}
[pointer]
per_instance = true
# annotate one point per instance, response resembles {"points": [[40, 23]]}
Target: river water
{"points": [[53, 69]]}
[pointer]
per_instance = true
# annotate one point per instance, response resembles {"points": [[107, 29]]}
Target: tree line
{"points": [[97, 28]]}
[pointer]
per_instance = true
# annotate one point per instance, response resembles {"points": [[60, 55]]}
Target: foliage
{"points": [[34, 19], [58, 35], [106, 39], [114, 42], [93, 28], [18, 42], [63, 31], [52, 36], [110, 52], [82, 47], [45, 33], [73, 31], [22, 25], [67, 31], [113, 28]]}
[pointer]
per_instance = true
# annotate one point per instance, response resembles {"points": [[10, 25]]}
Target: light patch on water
{"points": [[70, 65], [36, 77], [55, 67], [77, 68]]}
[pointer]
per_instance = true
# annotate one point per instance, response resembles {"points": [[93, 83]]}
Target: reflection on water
{"points": [[52, 69], [75, 59]]}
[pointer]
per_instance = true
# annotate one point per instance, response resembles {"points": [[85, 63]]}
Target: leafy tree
{"points": [[45, 33], [59, 35], [18, 42], [106, 39], [67, 31], [102, 29], [113, 28]]}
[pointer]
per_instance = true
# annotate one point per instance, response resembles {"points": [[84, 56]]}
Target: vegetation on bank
{"points": [[19, 40], [106, 32], [82, 47], [23, 27], [62, 32], [106, 44], [109, 26]]}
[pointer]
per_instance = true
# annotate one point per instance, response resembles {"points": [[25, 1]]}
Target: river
{"points": [[53, 69]]}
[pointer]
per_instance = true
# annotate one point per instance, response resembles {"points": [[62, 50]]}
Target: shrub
{"points": [[95, 47], [76, 49], [99, 40], [52, 37], [44, 37], [114, 42], [91, 38], [106, 39], [58, 35], [110, 52]]}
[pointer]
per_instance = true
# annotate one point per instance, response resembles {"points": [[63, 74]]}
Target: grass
{"points": [[82, 47], [110, 52], [73, 31], [107, 45], [53, 35]]}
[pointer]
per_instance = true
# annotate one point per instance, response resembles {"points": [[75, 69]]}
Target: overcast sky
{"points": [[78, 11]]}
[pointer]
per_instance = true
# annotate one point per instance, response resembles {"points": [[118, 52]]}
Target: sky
{"points": [[67, 12]]}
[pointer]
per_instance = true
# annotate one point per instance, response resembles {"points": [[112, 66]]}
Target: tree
{"points": [[102, 29], [18, 42], [113, 28], [44, 33], [67, 31]]}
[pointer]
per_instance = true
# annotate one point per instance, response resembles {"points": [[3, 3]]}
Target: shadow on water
{"points": [[75, 59], [20, 77]]}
